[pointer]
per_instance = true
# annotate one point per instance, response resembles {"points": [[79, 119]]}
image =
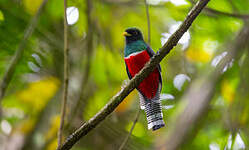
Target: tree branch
{"points": [[196, 101], [18, 55], [134, 82], [66, 78]]}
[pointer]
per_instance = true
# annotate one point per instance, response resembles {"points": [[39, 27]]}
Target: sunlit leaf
{"points": [[138, 131], [165, 96], [184, 41], [6, 127], [218, 58], [179, 80], [52, 145], [239, 143], [168, 107], [228, 89], [54, 126], [33, 67], [214, 146], [72, 15], [1, 16], [198, 55], [38, 93], [27, 126], [32, 6], [126, 104]]}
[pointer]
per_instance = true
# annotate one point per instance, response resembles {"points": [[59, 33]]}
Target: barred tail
{"points": [[154, 114]]}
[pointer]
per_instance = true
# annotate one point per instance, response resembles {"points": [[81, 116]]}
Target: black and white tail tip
{"points": [[154, 115]]}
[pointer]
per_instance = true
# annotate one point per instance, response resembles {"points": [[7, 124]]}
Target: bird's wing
{"points": [[152, 53]]}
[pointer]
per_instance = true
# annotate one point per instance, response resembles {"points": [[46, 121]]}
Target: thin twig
{"points": [[233, 6], [217, 12], [132, 127], [18, 55], [235, 15], [66, 78], [89, 51], [84, 93], [89, 40], [148, 19], [134, 82]]}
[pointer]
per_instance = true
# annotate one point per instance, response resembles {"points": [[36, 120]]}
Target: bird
{"points": [[136, 54]]}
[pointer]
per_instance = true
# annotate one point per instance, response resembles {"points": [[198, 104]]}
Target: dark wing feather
{"points": [[152, 53]]}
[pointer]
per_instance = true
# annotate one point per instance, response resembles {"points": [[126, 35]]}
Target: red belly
{"points": [[149, 85]]}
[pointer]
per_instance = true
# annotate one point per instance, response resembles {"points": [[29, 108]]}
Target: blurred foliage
{"points": [[32, 102]]}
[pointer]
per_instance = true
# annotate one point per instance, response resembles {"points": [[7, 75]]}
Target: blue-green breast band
{"points": [[134, 47]]}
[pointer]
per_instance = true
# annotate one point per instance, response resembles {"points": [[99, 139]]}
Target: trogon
{"points": [[136, 54]]}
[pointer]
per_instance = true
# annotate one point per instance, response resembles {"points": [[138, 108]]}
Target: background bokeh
{"points": [[30, 110]]}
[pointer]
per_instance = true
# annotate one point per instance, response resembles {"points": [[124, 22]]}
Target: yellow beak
{"points": [[126, 34]]}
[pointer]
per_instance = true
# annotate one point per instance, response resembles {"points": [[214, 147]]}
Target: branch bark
{"points": [[196, 101], [66, 78], [118, 98], [18, 55]]}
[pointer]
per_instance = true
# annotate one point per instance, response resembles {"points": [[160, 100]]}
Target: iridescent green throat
{"points": [[134, 47]]}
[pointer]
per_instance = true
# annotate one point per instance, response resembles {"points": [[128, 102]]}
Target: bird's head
{"points": [[132, 35]]}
